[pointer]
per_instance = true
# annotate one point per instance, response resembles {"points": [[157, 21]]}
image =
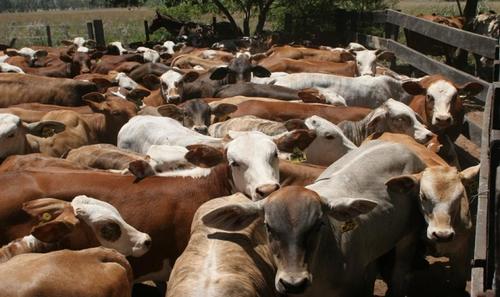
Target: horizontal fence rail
{"points": [[475, 43]]}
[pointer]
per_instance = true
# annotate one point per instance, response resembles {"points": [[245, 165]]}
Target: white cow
{"points": [[171, 84], [6, 67], [150, 55], [366, 91]]}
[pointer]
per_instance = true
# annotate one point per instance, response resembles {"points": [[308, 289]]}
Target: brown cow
{"points": [[99, 272], [82, 129], [306, 53], [25, 88], [34, 112], [110, 62], [297, 66], [161, 206], [283, 111], [440, 102]]}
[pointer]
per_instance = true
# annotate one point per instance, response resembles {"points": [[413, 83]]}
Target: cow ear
{"points": [[94, 97], [376, 121], [137, 94], [385, 55], [223, 109], [171, 111], [413, 88], [165, 55], [151, 81], [65, 57], [11, 52], [56, 218], [67, 42], [260, 71], [219, 73], [403, 184], [300, 139], [45, 128], [311, 96], [295, 124], [469, 175], [347, 56], [344, 209], [95, 106], [190, 76], [141, 169], [234, 217], [203, 155], [471, 89], [41, 53], [96, 55]]}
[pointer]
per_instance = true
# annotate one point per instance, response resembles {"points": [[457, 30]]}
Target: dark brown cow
{"points": [[110, 62]]}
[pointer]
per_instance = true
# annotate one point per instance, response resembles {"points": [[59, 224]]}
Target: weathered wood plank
{"points": [[422, 62], [475, 43]]}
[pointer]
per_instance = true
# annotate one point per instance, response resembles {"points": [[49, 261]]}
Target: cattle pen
{"points": [[481, 128], [485, 134]]}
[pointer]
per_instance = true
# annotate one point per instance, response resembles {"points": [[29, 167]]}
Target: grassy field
{"points": [[29, 28], [127, 25], [415, 7]]}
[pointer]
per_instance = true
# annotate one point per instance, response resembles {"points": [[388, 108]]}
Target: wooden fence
{"points": [[486, 257]]}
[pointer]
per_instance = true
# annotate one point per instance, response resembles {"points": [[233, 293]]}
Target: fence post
{"points": [[49, 36], [146, 30], [288, 24], [99, 33], [90, 30], [496, 65], [353, 36]]}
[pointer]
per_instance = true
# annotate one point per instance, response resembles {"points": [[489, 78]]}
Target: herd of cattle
{"points": [[296, 170]]}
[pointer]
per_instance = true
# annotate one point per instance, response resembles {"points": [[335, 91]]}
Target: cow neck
{"points": [[357, 131], [25, 245], [222, 178], [104, 126]]}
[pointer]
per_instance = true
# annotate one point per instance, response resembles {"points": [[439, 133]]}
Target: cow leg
{"points": [[403, 257]]}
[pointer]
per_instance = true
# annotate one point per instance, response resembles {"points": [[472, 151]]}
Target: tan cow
{"points": [[444, 205], [224, 263], [96, 272]]}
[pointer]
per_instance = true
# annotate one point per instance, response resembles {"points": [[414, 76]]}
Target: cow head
{"points": [[61, 220], [366, 60], [330, 143], [295, 218], [34, 58], [196, 114], [443, 99], [13, 133], [396, 117], [239, 70], [442, 198], [79, 59], [172, 85]]}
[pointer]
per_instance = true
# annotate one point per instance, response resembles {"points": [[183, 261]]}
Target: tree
{"points": [[248, 8]]}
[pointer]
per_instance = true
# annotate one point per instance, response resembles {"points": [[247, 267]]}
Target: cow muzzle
{"points": [[440, 234], [142, 246], [442, 120], [201, 129], [265, 190], [295, 283]]}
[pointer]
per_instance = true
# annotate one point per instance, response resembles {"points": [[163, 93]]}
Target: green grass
{"points": [[448, 8], [29, 28]]}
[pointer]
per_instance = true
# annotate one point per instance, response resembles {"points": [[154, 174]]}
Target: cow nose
{"points": [[85, 70], [174, 99], [295, 285], [148, 242], [265, 190], [443, 236], [428, 137], [443, 119], [201, 129]]}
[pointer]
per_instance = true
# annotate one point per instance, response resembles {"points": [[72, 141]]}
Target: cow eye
{"points": [[11, 135], [329, 136], [234, 164], [111, 231], [430, 98], [275, 155]]}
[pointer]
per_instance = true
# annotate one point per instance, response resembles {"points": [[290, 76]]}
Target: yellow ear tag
{"points": [[48, 132], [348, 226], [46, 217], [297, 155]]}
